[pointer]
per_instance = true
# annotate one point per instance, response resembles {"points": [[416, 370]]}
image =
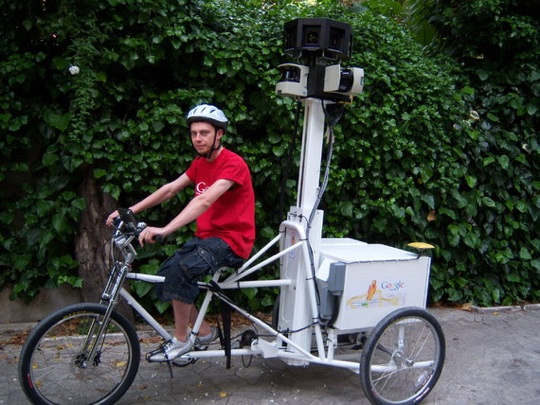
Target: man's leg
{"points": [[185, 314], [181, 312], [179, 344], [196, 258], [205, 327]]}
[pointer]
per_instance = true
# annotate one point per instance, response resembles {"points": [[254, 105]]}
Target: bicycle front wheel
{"points": [[55, 365], [403, 357]]}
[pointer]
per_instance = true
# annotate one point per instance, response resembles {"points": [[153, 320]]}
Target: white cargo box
{"points": [[378, 279]]}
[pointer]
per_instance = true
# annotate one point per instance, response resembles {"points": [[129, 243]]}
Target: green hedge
{"points": [[410, 160]]}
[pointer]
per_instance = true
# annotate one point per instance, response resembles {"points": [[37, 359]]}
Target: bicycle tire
{"points": [[50, 367], [403, 357]]}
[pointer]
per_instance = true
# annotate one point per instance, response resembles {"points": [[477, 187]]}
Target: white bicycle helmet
{"points": [[208, 113]]}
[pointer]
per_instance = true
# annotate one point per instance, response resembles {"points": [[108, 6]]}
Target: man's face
{"points": [[202, 136]]}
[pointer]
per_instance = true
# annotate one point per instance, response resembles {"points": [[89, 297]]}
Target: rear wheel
{"points": [[403, 357], [55, 365]]}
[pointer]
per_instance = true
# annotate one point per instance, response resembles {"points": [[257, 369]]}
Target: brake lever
{"points": [[117, 222]]}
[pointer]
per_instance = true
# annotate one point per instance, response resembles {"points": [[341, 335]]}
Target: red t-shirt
{"points": [[232, 216]]}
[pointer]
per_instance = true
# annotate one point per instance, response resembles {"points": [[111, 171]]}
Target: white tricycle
{"points": [[342, 303]]}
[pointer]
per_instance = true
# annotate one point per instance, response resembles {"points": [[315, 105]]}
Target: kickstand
{"points": [[170, 368], [226, 317]]}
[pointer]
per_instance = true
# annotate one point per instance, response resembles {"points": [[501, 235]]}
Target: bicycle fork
{"points": [[90, 349]]}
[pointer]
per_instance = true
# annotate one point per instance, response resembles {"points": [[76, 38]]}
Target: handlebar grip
{"points": [[159, 238]]}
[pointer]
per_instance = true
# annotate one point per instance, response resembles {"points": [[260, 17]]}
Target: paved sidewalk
{"points": [[491, 358]]}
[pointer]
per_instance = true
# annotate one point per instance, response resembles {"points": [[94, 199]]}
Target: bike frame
{"points": [[303, 338], [281, 346]]}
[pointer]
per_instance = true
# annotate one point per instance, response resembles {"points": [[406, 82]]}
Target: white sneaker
{"points": [[207, 339], [170, 350]]}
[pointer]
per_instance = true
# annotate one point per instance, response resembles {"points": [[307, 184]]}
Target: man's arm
{"points": [[190, 213], [164, 193]]}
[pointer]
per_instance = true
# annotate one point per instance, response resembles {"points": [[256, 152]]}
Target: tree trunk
{"points": [[90, 249]]}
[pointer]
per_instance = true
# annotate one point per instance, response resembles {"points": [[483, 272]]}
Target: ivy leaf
{"points": [[58, 121], [50, 158], [524, 254], [471, 181], [99, 173], [483, 74], [488, 202], [59, 222]]}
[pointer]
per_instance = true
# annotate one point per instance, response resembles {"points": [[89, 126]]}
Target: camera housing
{"points": [[319, 44], [345, 81], [294, 80], [308, 37]]}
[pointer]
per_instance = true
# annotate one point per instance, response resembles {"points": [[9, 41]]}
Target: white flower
{"points": [[473, 115], [74, 70]]}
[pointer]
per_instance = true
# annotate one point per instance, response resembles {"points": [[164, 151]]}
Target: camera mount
{"points": [[317, 80], [317, 44], [322, 37]]}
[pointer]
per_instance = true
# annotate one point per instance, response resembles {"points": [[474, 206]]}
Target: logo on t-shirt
{"points": [[201, 188]]}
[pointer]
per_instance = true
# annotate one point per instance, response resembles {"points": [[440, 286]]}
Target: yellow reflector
{"points": [[421, 245]]}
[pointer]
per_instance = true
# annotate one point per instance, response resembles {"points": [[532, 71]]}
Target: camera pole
{"points": [[310, 159], [316, 42], [294, 308]]}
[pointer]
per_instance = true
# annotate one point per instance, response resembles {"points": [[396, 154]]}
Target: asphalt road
{"points": [[492, 357]]}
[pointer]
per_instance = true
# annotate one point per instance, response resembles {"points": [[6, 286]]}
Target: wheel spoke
{"points": [[55, 366], [407, 371]]}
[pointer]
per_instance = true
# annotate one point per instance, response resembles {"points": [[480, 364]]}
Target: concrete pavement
{"points": [[492, 357]]}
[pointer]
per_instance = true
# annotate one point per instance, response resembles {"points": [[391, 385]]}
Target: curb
{"points": [[509, 308], [7, 329]]}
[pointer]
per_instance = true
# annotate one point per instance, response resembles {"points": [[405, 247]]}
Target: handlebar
{"points": [[127, 227]]}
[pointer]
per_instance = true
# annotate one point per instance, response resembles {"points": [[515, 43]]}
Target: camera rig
{"points": [[320, 83], [319, 45]]}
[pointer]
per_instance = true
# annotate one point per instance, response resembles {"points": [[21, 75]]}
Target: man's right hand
{"points": [[151, 234]]}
